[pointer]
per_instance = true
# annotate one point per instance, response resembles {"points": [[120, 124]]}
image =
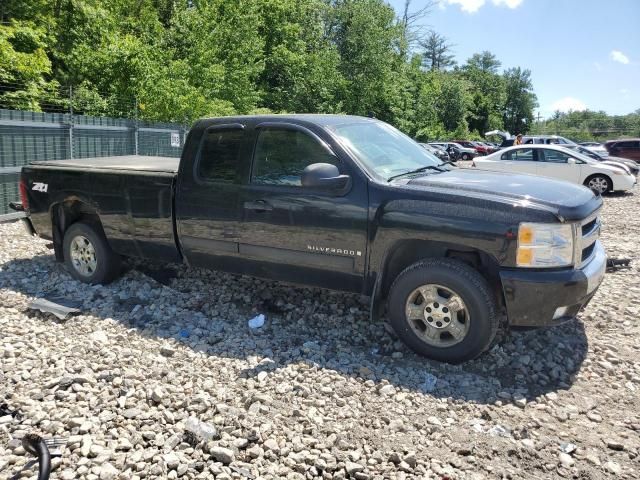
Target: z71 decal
{"points": [[40, 187]]}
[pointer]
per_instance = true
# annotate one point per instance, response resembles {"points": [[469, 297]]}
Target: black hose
{"points": [[35, 445]]}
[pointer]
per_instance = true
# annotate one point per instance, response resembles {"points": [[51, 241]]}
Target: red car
{"points": [[481, 148], [626, 148]]}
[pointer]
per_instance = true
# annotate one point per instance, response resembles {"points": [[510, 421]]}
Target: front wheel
{"points": [[466, 156], [87, 254], [599, 184], [443, 309]]}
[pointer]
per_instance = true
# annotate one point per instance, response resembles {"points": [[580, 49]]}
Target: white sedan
{"points": [[560, 163]]}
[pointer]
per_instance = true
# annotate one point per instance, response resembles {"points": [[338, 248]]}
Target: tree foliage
{"points": [[590, 125], [178, 60]]}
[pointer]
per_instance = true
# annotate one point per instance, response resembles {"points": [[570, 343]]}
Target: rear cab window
{"points": [[218, 160]]}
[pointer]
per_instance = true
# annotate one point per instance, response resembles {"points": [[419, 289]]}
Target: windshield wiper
{"points": [[418, 170]]}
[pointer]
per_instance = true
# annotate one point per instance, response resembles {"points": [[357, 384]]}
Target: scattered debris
{"points": [[567, 447], [615, 264], [257, 321], [499, 431], [5, 411], [201, 430], [59, 306]]}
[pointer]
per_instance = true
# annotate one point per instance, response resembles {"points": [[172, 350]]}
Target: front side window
{"points": [[219, 155], [282, 154], [626, 144], [520, 155], [554, 156]]}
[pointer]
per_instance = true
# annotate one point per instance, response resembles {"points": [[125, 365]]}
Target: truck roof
{"points": [[314, 118], [122, 162]]}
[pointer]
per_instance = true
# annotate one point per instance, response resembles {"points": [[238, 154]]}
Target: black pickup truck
{"points": [[340, 202]]}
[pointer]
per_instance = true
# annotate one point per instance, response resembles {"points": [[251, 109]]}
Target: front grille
{"points": [[587, 252], [590, 230], [587, 227]]}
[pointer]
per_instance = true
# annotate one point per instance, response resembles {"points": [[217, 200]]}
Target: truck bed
{"points": [[132, 195], [134, 163]]}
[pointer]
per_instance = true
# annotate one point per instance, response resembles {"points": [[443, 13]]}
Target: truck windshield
{"points": [[384, 150]]}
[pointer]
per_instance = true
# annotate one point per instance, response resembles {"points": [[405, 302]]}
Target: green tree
{"points": [[488, 92], [520, 100], [437, 52], [366, 33]]}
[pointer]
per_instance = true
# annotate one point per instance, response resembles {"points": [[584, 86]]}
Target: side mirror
{"points": [[324, 176], [571, 161]]}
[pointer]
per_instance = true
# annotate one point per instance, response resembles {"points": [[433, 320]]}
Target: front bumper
{"points": [[624, 182], [543, 298]]}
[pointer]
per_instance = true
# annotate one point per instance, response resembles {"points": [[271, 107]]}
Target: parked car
{"points": [[488, 147], [628, 148], [630, 165], [341, 202], [560, 163], [477, 146], [456, 151], [590, 144], [508, 140], [438, 152], [596, 148]]}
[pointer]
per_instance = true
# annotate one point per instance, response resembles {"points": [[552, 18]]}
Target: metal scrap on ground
{"points": [[59, 306]]}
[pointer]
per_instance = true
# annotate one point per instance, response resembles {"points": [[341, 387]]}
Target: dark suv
{"points": [[627, 148]]}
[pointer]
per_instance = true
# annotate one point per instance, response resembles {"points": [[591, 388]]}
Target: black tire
{"points": [[466, 156], [107, 262], [600, 180], [469, 285]]}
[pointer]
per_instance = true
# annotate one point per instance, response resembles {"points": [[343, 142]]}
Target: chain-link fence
{"points": [[30, 136]]}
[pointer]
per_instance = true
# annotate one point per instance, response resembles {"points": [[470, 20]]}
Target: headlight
{"points": [[543, 245]]}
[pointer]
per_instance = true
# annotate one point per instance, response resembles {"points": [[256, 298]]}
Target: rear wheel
{"points": [[87, 254], [599, 184], [466, 156], [443, 309]]}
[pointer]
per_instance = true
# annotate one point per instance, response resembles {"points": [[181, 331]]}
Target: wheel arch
{"points": [[406, 252], [599, 174], [66, 213]]}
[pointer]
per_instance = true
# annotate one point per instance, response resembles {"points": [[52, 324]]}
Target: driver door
{"points": [[296, 234], [555, 164]]}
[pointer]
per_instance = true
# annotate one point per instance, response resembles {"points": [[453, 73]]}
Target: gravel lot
{"points": [[319, 392]]}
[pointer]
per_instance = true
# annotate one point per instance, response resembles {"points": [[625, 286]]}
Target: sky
{"points": [[581, 53]]}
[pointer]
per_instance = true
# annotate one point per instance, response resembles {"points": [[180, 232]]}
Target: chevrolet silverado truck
{"points": [[339, 202]]}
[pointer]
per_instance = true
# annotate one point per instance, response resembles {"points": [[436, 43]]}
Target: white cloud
{"points": [[472, 6], [469, 6], [568, 103], [507, 3], [618, 56]]}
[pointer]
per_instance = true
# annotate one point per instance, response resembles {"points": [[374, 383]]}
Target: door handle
{"points": [[258, 206]]}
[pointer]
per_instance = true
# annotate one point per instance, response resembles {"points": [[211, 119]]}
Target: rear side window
{"points": [[553, 156], [282, 154], [521, 155], [219, 155], [627, 144]]}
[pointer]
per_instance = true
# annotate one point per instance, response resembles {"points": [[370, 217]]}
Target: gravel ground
{"points": [[319, 392]]}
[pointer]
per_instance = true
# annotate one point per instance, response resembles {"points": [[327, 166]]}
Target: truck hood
{"points": [[565, 200]]}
